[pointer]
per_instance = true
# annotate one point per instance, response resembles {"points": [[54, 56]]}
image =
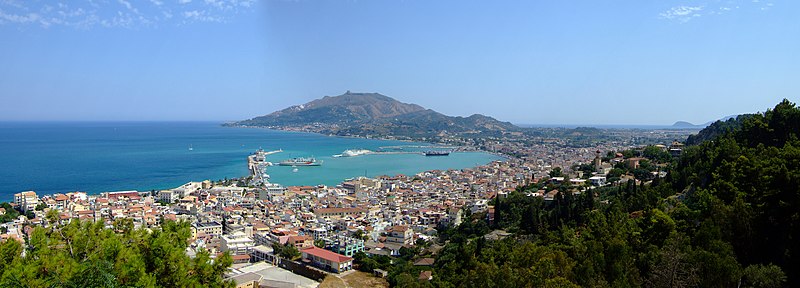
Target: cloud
{"points": [[682, 13], [685, 13], [19, 19], [120, 13]]}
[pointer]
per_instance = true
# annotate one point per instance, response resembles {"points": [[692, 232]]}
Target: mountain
{"points": [[373, 114], [684, 124]]}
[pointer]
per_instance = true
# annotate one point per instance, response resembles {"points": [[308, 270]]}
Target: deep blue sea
{"points": [[56, 157]]}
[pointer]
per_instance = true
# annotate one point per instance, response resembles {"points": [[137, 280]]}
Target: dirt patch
{"points": [[355, 279]]}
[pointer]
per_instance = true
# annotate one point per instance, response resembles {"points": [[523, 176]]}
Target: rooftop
{"points": [[327, 255]]}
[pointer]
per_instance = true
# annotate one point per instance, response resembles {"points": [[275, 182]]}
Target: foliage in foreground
{"points": [[86, 254]]}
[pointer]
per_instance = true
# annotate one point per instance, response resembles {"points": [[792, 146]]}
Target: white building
{"points": [[26, 201], [237, 243], [598, 180]]}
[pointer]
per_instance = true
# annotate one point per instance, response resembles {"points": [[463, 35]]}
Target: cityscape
{"points": [[413, 143]]}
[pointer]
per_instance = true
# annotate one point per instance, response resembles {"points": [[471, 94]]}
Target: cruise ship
{"points": [[301, 161]]}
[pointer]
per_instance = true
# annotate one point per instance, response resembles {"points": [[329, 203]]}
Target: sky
{"points": [[640, 62]]}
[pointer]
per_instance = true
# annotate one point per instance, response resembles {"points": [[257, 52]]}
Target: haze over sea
{"points": [[58, 157]]}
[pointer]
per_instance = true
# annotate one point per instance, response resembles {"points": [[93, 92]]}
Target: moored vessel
{"points": [[301, 161]]}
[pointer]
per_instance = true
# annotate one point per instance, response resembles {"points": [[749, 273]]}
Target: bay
{"points": [[58, 157]]}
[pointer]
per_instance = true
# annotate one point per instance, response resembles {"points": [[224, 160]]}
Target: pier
{"points": [[257, 164]]}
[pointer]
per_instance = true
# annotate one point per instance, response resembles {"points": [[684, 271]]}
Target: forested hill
{"points": [[373, 114], [745, 183], [726, 215], [717, 128]]}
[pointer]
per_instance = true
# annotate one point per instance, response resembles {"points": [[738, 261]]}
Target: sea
{"points": [[95, 157]]}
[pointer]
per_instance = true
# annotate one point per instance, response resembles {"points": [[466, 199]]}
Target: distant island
{"points": [[376, 115]]}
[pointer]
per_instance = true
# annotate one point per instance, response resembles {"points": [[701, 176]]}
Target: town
{"points": [[300, 235]]}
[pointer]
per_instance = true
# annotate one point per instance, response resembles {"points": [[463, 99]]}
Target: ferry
{"points": [[301, 161], [437, 153]]}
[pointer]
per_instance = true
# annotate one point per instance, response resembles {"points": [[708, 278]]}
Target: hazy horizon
{"points": [[635, 63]]}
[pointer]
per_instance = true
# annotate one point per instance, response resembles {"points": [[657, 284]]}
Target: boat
{"points": [[300, 161], [437, 153], [190, 147]]}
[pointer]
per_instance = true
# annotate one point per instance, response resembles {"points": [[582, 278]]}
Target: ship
{"points": [[437, 153], [301, 161]]}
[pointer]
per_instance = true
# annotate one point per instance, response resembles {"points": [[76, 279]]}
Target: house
{"points": [[400, 234], [300, 242], [327, 260], [598, 180], [633, 163], [425, 276], [424, 262]]}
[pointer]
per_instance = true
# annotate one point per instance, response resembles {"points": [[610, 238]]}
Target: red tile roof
{"points": [[327, 255]]}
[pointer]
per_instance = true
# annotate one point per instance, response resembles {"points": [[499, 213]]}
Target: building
{"points": [[400, 234], [598, 180], [212, 228], [237, 243], [300, 242], [262, 253], [347, 246], [26, 201], [338, 212], [246, 280], [169, 196], [327, 260]]}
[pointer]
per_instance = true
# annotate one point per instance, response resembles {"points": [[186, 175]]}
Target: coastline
{"points": [[142, 184]]}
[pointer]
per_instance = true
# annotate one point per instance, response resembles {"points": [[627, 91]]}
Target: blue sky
{"points": [[537, 62]]}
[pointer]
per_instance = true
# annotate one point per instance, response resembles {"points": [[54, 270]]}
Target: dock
{"points": [[257, 165]]}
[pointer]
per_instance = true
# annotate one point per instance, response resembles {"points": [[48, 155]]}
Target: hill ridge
{"points": [[374, 114]]}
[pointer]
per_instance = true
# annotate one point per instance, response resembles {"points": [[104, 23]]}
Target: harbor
{"points": [[257, 165]]}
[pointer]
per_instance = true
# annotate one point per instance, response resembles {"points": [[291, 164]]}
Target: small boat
{"points": [[301, 161], [190, 147]]}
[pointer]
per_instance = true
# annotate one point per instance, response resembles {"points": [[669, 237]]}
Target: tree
{"points": [[673, 268], [52, 216], [556, 172], [86, 254], [319, 243], [40, 206], [763, 276]]}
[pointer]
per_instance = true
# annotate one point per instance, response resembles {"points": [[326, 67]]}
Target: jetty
{"points": [[257, 164]]}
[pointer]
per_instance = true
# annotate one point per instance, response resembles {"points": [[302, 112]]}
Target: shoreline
{"points": [[162, 186]]}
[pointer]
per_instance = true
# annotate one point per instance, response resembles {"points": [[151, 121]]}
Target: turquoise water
{"points": [[111, 156]]}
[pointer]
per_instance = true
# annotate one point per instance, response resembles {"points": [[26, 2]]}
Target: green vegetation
{"points": [[726, 215], [85, 254], [287, 251], [10, 215]]}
